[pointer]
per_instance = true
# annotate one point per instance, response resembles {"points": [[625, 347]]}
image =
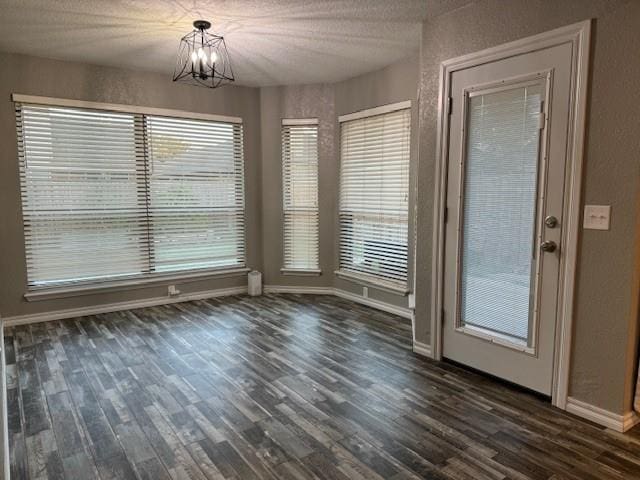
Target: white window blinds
{"points": [[107, 195], [500, 177], [196, 197], [374, 191], [300, 194]]}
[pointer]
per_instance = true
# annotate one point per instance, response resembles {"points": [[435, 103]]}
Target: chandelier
{"points": [[203, 58]]}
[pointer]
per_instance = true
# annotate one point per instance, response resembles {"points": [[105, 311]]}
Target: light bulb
{"points": [[200, 53], [194, 57], [214, 57]]}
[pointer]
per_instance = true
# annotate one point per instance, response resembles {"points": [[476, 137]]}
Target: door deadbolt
{"points": [[551, 221], [548, 246]]}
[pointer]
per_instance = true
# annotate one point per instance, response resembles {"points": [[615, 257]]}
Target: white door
{"points": [[505, 189]]}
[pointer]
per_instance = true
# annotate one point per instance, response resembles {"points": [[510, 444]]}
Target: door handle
{"points": [[548, 246], [551, 221]]}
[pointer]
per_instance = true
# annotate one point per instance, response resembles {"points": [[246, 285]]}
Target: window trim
{"points": [[375, 111], [286, 122], [72, 289], [390, 285], [122, 108], [289, 271], [304, 272]]}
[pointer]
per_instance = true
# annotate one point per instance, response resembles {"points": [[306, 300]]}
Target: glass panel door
{"points": [[498, 210]]}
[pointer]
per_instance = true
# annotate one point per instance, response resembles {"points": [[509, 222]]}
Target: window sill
{"points": [[303, 272], [111, 286], [386, 285]]}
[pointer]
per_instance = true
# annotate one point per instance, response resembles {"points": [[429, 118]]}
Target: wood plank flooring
{"points": [[276, 387]]}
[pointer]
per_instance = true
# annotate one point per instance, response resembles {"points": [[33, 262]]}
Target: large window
{"points": [[374, 192], [110, 195], [196, 193], [300, 195]]}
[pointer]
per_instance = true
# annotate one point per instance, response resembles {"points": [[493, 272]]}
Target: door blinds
{"points": [[501, 177], [300, 195], [374, 190], [109, 195]]}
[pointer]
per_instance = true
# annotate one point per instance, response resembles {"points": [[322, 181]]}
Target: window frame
{"points": [[378, 281], [288, 270], [69, 289]]}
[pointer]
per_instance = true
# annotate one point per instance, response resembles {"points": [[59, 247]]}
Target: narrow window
{"points": [[300, 195]]}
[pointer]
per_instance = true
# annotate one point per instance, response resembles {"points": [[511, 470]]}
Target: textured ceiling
{"points": [[271, 42]]}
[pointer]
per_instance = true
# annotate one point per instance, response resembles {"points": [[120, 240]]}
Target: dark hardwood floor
{"points": [[279, 386]]}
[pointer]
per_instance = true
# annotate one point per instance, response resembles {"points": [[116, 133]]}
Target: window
{"points": [[374, 191], [196, 198], [300, 194], [500, 176], [112, 195]]}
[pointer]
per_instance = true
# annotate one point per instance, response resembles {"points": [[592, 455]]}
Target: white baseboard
{"points": [[630, 420], [423, 349], [614, 421], [385, 307], [297, 289], [151, 302], [115, 307]]}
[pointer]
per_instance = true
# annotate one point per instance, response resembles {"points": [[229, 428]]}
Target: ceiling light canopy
{"points": [[203, 58]]}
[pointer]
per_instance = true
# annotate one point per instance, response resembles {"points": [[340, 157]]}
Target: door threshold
{"points": [[501, 381]]}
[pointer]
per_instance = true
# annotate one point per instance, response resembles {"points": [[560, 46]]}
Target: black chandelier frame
{"points": [[203, 58]]}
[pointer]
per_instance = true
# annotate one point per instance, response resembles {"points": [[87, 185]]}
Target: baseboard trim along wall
{"points": [[151, 302], [423, 349], [296, 289], [385, 307], [614, 421], [115, 307], [370, 302]]}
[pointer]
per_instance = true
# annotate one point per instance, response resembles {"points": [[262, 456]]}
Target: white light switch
{"points": [[597, 217]]}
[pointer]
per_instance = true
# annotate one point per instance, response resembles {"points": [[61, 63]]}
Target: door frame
{"points": [[578, 35]]}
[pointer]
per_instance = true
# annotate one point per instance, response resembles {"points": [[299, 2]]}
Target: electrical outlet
{"points": [[365, 292], [173, 291]]}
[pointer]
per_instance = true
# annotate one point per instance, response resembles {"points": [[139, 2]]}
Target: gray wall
{"points": [[326, 102], [307, 101], [603, 354], [37, 76]]}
